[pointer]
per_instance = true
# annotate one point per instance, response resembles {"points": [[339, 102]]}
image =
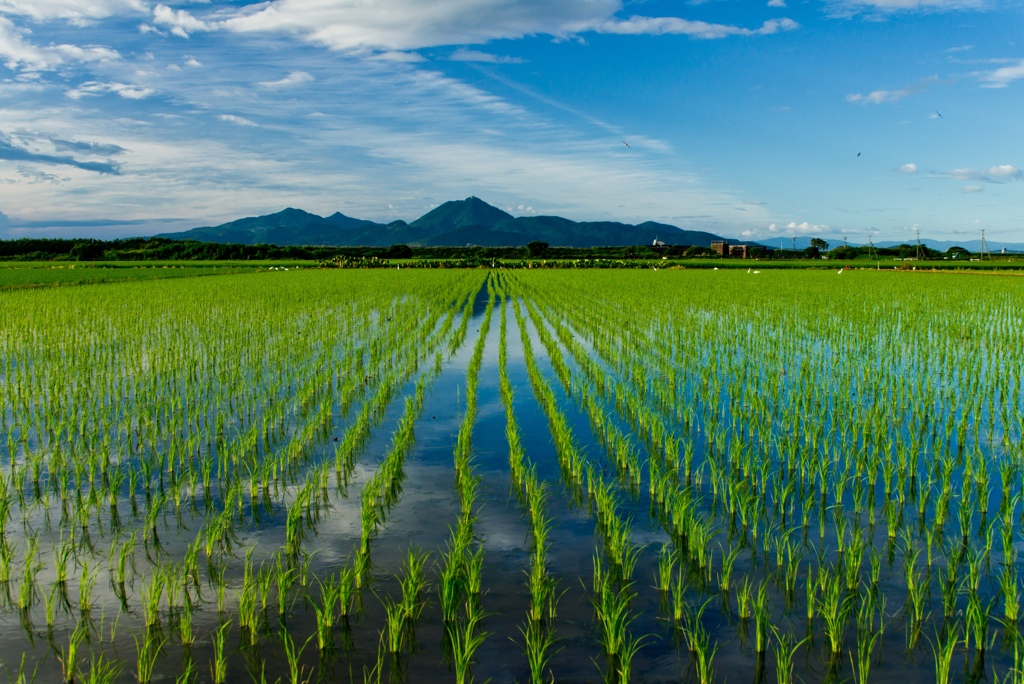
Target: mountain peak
{"points": [[471, 211]]}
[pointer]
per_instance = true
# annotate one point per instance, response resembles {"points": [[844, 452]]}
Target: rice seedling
{"points": [[21, 676], [101, 671], [297, 672], [185, 633], [762, 618], [147, 650], [833, 606], [414, 582], [466, 639], [219, 665], [67, 656], [943, 648], [395, 623], [539, 641], [861, 662], [977, 618], [785, 650]]}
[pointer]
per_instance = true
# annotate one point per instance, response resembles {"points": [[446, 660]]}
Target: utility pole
{"points": [[984, 246], [872, 254], [918, 257]]}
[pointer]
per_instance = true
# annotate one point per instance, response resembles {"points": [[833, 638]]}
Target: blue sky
{"points": [[127, 117]]}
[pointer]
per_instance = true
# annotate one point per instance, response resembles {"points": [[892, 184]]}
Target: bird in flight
{"points": [[858, 154], [626, 144], [938, 115]]}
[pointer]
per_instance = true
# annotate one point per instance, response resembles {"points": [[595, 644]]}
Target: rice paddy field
{"points": [[475, 475], [23, 275]]}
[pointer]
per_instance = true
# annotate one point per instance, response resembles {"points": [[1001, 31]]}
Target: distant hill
{"points": [[456, 223], [939, 245]]}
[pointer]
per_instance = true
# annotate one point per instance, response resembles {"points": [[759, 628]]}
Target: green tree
{"points": [[537, 248], [398, 252], [819, 244]]}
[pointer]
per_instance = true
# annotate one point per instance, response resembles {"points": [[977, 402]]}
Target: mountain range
{"points": [[939, 245], [460, 222]]}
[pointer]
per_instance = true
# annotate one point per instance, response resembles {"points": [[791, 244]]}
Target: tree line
{"points": [[164, 249]]}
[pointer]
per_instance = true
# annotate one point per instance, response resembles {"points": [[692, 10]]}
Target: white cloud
{"points": [[1004, 76], [397, 56], [972, 188], [18, 53], [878, 96], [693, 29], [237, 120], [404, 25], [994, 174], [908, 168], [72, 10], [180, 22], [776, 3], [125, 90], [294, 78], [463, 55], [886, 7], [192, 62], [34, 176], [1004, 171], [794, 228]]}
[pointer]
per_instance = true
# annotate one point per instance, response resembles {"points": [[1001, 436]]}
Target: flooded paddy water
{"points": [[418, 476]]}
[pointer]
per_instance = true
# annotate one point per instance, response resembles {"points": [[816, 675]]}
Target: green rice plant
{"points": [[188, 674], [745, 599], [67, 656], [785, 650], [102, 671], [950, 591], [539, 640], [53, 599], [297, 672], [30, 567], [1009, 587], [666, 564], [861, 664], [465, 641], [705, 656], [361, 568], [942, 649], [811, 588], [762, 618], [151, 596], [185, 632], [284, 578], [613, 615], [219, 665], [21, 676], [833, 606], [147, 650], [63, 555], [623, 660], [474, 564], [414, 582], [728, 562], [452, 582], [395, 623], [7, 554], [346, 584], [977, 614]]}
